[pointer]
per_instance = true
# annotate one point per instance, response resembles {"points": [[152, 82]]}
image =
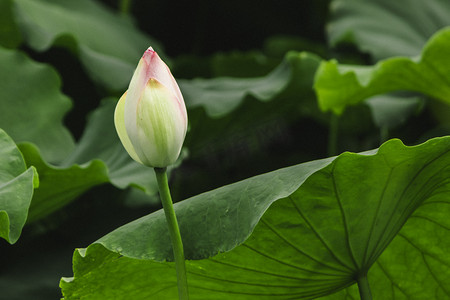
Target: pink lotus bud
{"points": [[150, 117]]}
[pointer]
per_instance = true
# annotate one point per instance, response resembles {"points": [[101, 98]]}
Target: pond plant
{"points": [[305, 169]]}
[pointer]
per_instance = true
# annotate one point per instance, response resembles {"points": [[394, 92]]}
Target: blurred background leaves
{"points": [[17, 184], [246, 70], [385, 28], [33, 107]]}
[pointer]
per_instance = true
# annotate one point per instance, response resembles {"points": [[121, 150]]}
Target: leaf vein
{"points": [[433, 275], [366, 262], [344, 219], [286, 263], [321, 239], [258, 271], [393, 283], [431, 221], [381, 246], [422, 251]]}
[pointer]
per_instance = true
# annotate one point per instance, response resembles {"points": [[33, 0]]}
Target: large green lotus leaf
{"points": [[301, 232], [108, 45], [386, 28], [32, 105], [338, 86], [17, 184]]}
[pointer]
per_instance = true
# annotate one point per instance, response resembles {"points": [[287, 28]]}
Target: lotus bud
{"points": [[150, 117]]}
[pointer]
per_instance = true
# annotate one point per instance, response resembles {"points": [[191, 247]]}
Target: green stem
{"points": [[364, 288], [175, 236], [333, 135], [124, 7]]}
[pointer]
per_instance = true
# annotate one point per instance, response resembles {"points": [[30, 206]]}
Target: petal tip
{"points": [[149, 51]]}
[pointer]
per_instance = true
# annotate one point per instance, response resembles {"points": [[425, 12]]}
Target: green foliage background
{"points": [[261, 81]]}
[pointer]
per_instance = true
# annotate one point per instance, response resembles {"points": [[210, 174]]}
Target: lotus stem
{"points": [[174, 231]]}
